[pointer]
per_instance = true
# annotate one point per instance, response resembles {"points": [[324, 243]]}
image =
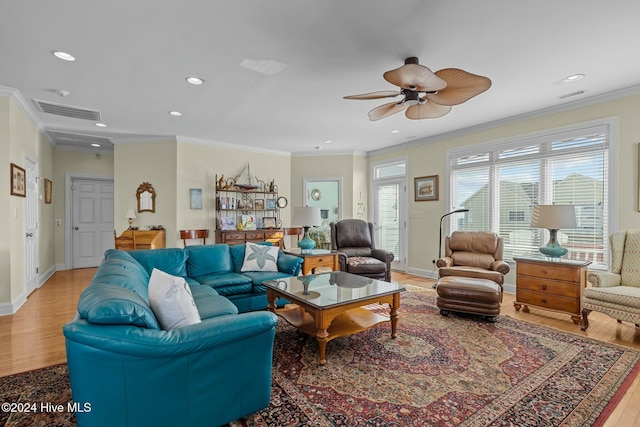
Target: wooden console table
{"points": [[551, 284], [236, 237]]}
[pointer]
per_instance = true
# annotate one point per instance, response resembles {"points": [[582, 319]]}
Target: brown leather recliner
{"points": [[474, 254], [353, 239]]}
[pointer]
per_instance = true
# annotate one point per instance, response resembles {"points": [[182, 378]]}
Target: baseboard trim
{"points": [[46, 276], [9, 308]]}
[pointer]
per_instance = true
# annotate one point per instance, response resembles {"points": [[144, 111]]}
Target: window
{"points": [[499, 183]]}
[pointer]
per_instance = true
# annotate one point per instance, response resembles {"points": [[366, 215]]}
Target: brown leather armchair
{"points": [[475, 254], [353, 239]]}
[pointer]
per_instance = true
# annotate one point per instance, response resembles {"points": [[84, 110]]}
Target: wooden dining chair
{"points": [[194, 235], [292, 231]]}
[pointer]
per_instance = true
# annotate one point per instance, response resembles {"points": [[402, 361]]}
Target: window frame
{"points": [[491, 149]]}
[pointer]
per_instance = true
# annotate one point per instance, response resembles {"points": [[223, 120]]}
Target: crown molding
{"points": [[231, 146], [27, 109]]}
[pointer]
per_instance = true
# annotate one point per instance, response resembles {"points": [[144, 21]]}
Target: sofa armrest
{"points": [[210, 334], [500, 267], [289, 264], [603, 279], [444, 262], [383, 255]]}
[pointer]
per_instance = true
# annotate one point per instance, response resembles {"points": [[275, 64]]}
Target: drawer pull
{"points": [[543, 272], [544, 287], [544, 301]]}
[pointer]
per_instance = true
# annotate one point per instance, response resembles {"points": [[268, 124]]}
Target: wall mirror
{"points": [[146, 196]]}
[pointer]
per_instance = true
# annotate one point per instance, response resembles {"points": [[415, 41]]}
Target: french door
{"points": [[389, 218]]}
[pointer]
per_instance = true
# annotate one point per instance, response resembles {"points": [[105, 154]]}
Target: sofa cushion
{"points": [[170, 260], [171, 301], [109, 304], [214, 306], [260, 258], [223, 279], [128, 274], [208, 259], [257, 277], [241, 288]]}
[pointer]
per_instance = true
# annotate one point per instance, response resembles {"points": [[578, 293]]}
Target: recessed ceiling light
{"points": [[194, 80], [573, 78], [95, 145], [101, 125], [175, 113], [395, 131], [63, 55], [327, 141]]}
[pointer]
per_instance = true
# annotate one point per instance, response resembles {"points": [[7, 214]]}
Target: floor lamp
{"points": [[441, 218]]}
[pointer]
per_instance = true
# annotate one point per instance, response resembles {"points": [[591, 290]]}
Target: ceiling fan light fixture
{"points": [[411, 97]]}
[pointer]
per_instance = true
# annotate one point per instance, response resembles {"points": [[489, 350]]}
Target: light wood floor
{"points": [[32, 338]]}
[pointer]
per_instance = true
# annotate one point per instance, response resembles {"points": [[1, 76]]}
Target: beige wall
{"points": [[429, 159], [72, 163], [351, 168], [20, 137]]}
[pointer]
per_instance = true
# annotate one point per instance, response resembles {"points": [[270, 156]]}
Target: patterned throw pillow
{"points": [[260, 258]]}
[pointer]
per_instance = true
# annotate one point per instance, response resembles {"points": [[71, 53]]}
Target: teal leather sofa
{"points": [[126, 371]]}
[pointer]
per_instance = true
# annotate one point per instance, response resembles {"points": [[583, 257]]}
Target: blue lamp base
{"points": [[306, 243], [553, 248]]}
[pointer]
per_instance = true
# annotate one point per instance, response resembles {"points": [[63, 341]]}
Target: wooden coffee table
{"points": [[329, 305]]}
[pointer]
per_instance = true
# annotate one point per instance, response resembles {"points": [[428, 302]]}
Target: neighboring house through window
{"points": [[500, 182]]}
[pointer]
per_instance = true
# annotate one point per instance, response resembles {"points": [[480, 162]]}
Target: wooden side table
{"points": [[316, 258], [552, 284]]}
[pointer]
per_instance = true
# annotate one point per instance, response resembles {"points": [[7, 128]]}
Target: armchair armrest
{"points": [[500, 267], [383, 255], [603, 279], [444, 262], [342, 260]]}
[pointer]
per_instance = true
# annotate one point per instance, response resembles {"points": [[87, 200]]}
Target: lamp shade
{"points": [[306, 217], [554, 217], [131, 214]]}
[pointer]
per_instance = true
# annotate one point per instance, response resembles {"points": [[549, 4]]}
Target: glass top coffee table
{"points": [[329, 305]]}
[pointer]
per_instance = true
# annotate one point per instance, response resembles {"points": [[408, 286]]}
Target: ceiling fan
{"points": [[442, 89]]}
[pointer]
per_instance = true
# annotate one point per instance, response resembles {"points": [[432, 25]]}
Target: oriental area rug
{"points": [[439, 371]]}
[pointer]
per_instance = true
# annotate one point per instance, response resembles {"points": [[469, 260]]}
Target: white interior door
{"points": [[389, 218], [91, 221], [31, 226]]}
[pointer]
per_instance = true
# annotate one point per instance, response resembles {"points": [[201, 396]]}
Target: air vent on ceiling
{"points": [[67, 110], [569, 95]]}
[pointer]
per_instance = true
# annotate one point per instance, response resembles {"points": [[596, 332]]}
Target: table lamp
{"points": [[553, 218], [131, 215], [306, 217]]}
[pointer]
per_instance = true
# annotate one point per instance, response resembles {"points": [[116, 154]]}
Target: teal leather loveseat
{"points": [[127, 371]]}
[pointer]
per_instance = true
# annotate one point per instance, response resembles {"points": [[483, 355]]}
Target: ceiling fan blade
{"points": [[461, 86], [386, 110], [375, 95], [428, 110], [415, 77]]}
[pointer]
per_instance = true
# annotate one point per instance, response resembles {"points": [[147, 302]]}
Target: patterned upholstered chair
{"points": [[616, 293]]}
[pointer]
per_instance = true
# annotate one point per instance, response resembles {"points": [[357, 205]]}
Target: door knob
{"points": [[75, 228], [29, 234]]}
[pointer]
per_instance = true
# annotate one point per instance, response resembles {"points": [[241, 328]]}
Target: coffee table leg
{"points": [[271, 300], [321, 337], [394, 314]]}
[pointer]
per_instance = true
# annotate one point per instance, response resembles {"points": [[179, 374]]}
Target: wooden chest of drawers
{"points": [[234, 237], [552, 284]]}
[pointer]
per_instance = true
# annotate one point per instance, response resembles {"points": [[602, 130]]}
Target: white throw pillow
{"points": [[260, 258], [171, 301]]}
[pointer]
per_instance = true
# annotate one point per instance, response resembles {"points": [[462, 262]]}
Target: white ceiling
{"points": [[133, 58]]}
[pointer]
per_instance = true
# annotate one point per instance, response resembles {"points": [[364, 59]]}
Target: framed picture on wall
{"points": [[48, 187], [426, 188], [195, 198], [18, 181]]}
